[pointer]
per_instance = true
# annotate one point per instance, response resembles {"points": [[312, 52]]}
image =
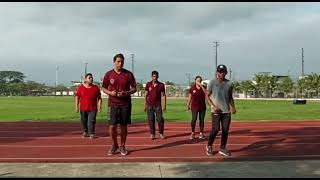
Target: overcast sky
{"points": [[173, 38]]}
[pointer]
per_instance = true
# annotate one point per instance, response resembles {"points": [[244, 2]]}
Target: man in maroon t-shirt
{"points": [[152, 104], [119, 84], [197, 105], [89, 97]]}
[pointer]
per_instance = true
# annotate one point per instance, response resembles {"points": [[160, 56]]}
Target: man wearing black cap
{"points": [[155, 91], [219, 96]]}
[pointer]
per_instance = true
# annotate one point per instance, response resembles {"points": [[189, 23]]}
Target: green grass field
{"points": [[62, 109]]}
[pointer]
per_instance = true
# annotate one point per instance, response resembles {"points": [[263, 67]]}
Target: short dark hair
{"points": [[88, 74], [198, 77], [118, 56], [155, 73]]}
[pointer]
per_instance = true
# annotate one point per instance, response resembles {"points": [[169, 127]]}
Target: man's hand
{"points": [[164, 109], [216, 109], [122, 94], [233, 110], [113, 93], [145, 108], [188, 107], [77, 109]]}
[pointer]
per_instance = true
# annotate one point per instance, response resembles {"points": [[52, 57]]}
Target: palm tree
{"points": [[313, 83], [246, 86], [286, 86]]}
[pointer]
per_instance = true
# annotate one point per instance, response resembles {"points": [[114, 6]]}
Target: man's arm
{"points": [[231, 103], [145, 101], [164, 101], [99, 103], [77, 102], [189, 102]]}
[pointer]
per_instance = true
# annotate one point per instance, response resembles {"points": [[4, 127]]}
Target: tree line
{"points": [[12, 83]]}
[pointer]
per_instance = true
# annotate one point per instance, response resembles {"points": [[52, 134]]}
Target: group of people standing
{"points": [[120, 83]]}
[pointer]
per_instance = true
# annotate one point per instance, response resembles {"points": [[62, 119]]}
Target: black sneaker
{"points": [[123, 151], [112, 150], [209, 150], [224, 152]]}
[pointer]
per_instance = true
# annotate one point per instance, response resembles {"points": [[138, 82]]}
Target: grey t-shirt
{"points": [[221, 93]]}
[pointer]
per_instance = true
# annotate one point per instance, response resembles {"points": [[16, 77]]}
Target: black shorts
{"points": [[119, 115]]}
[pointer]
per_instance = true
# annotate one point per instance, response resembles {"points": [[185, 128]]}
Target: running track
{"points": [[62, 142]]}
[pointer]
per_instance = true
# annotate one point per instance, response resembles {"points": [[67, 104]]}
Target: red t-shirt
{"points": [[154, 93], [198, 99], [119, 82], [88, 97]]}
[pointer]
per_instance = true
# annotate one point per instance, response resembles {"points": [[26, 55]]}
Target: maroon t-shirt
{"points": [[198, 99], [119, 82], [88, 97], [154, 93]]}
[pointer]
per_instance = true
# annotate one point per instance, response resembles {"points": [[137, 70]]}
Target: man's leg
{"points": [[124, 121], [151, 120], [160, 120], [113, 116], [92, 123], [214, 131], [84, 122], [226, 120]]}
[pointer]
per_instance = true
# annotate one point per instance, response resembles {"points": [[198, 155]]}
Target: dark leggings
{"points": [[224, 119], [201, 120]]}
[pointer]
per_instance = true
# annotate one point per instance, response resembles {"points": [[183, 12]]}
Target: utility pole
{"points": [[132, 63], [85, 67], [57, 69], [302, 70], [230, 73], [215, 45]]}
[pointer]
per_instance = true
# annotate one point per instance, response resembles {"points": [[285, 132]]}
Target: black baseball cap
{"points": [[222, 67]]}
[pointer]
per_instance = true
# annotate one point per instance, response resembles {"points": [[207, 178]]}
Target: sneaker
{"points": [[192, 136], [201, 136], [152, 136], [84, 134], [224, 152], [123, 151], [209, 150], [112, 150], [92, 136], [162, 136]]}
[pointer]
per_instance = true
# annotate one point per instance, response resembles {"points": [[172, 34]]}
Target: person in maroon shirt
{"points": [[197, 105], [89, 97], [119, 84], [153, 106]]}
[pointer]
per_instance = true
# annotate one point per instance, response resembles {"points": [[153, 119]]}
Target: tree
{"points": [[11, 76], [313, 83], [169, 83], [286, 86], [246, 86]]}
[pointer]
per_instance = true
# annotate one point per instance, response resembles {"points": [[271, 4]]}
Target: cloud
{"points": [[253, 37]]}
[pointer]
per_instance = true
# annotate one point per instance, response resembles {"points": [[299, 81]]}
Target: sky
{"points": [[174, 38]]}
